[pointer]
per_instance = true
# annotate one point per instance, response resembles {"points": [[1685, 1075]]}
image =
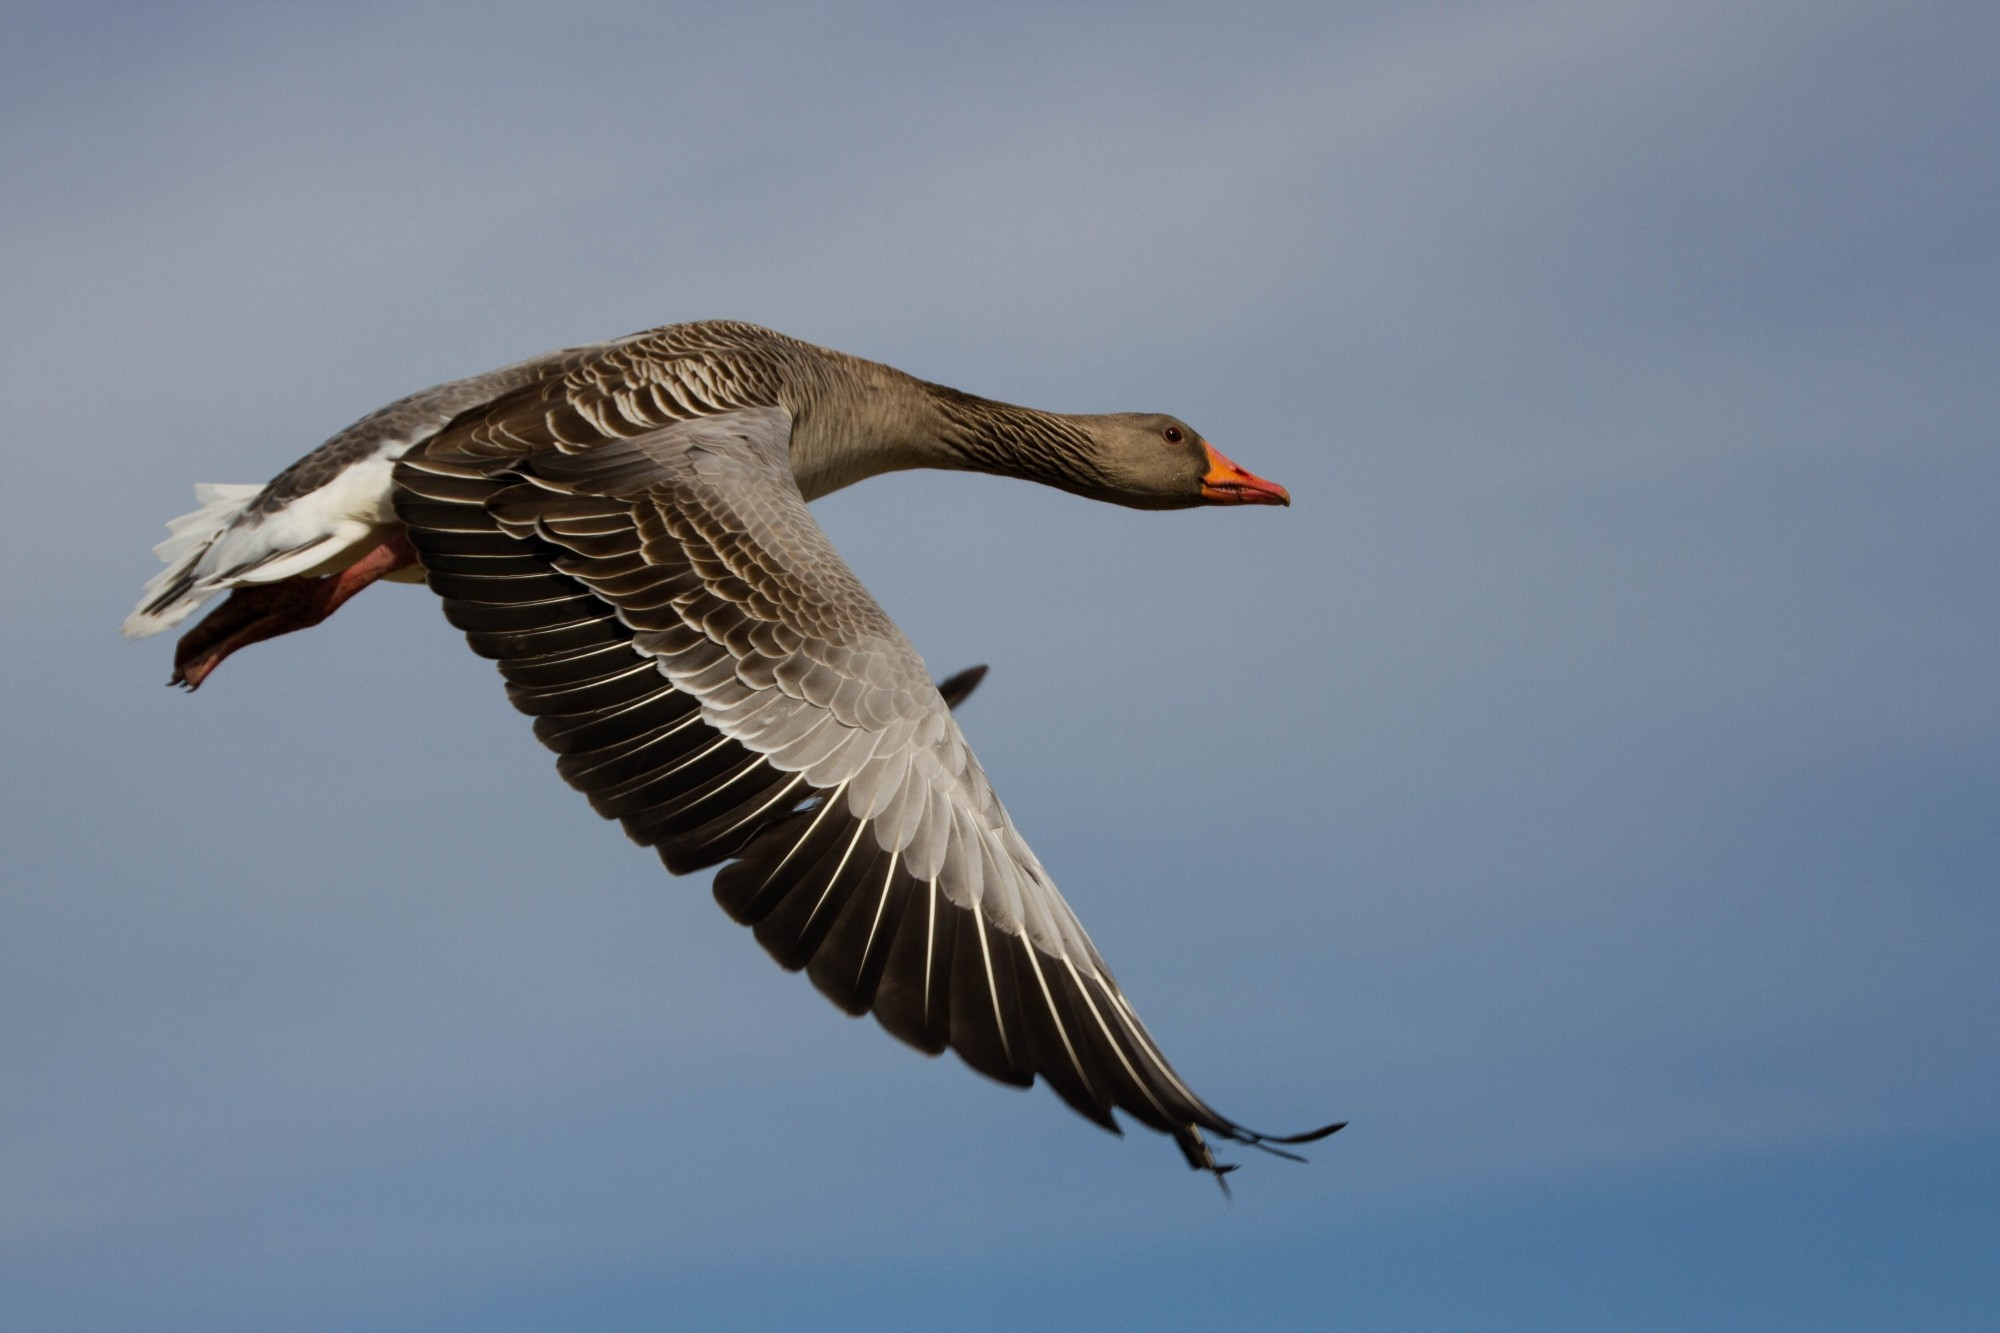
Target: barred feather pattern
{"points": [[1001, 438], [628, 542]]}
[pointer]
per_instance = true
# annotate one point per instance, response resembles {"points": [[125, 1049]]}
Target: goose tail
{"points": [[173, 594]]}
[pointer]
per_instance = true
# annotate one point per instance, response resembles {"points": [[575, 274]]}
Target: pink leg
{"points": [[262, 611]]}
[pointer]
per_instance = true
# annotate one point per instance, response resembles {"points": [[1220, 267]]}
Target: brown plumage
{"points": [[623, 529]]}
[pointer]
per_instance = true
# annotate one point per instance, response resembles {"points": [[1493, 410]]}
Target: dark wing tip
{"points": [[1310, 1136], [957, 689], [1201, 1159]]}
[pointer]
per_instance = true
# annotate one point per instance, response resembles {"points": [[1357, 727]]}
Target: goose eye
{"points": [[1173, 434]]}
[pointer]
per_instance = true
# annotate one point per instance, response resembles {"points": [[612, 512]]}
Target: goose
{"points": [[622, 527]]}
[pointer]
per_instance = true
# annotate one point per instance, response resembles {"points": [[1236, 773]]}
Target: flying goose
{"points": [[623, 528]]}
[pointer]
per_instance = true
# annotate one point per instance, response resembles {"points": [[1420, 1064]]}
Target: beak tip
{"points": [[1228, 483]]}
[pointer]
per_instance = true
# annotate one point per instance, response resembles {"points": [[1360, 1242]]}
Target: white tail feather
{"points": [[222, 545], [191, 536]]}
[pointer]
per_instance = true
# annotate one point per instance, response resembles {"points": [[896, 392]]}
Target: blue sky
{"points": [[1588, 787]]}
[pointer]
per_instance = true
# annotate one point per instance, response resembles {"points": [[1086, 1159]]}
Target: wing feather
{"points": [[710, 673]]}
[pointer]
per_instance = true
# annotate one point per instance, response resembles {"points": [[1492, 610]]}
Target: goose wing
{"points": [[645, 572]]}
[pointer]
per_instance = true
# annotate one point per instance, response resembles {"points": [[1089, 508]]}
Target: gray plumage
{"points": [[623, 529]]}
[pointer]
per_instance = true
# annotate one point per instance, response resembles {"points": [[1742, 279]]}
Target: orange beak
{"points": [[1227, 484]]}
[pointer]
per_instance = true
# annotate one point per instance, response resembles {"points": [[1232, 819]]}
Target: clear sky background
{"points": [[1590, 787]]}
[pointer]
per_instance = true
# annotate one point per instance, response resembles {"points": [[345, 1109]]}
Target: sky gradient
{"points": [[1588, 787]]}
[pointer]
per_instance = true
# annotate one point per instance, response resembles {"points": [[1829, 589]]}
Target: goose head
{"points": [[1148, 461]]}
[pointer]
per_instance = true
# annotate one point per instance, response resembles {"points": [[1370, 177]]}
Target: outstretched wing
{"points": [[712, 675]]}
